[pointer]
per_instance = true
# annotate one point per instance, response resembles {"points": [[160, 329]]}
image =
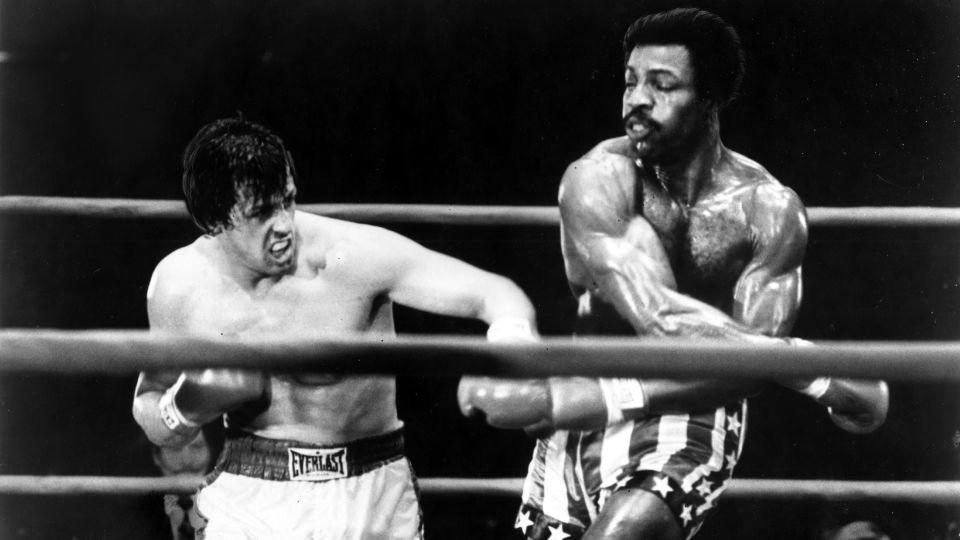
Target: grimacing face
{"points": [[662, 113], [262, 235]]}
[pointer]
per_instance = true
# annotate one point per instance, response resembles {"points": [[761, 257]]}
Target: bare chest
{"points": [[708, 243], [291, 306]]}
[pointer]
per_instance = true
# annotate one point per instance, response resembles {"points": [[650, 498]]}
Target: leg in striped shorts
{"points": [[683, 459]]}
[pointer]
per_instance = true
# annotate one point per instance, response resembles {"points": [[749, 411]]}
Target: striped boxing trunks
{"points": [[686, 460]]}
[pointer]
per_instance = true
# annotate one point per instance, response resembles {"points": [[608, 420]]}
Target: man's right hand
{"points": [[203, 396]]}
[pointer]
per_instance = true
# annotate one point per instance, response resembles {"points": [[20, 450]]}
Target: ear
{"points": [[708, 104], [709, 108]]}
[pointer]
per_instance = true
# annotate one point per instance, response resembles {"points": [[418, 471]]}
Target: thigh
{"points": [[231, 508], [633, 514], [385, 504]]}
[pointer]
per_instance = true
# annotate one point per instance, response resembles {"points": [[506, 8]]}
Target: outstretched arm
{"points": [[430, 281]]}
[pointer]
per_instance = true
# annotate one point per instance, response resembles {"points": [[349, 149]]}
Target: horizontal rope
{"points": [[946, 493], [893, 216], [126, 351]]}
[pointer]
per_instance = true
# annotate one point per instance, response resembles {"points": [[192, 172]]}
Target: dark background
{"points": [[472, 102]]}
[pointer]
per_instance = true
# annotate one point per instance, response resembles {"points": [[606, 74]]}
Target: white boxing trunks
{"points": [[275, 489]]}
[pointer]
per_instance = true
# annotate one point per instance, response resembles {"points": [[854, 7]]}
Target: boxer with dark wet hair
{"points": [[306, 455], [665, 232]]}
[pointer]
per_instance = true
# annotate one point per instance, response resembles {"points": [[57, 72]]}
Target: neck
{"points": [[686, 177]]}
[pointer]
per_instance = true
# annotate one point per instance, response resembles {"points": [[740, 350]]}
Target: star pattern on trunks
{"points": [[557, 534], [705, 488], [733, 424], [523, 521], [685, 514], [731, 459], [662, 486]]}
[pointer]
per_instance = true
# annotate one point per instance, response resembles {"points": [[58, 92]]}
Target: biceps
{"points": [[637, 254], [768, 303], [440, 284]]}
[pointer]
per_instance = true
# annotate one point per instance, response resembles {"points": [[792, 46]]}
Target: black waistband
{"points": [[275, 459]]}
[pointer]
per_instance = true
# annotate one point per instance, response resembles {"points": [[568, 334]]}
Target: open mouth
{"points": [[279, 250], [637, 128]]}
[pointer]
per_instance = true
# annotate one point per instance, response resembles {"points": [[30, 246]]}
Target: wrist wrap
{"points": [[170, 413], [511, 329], [621, 395], [817, 388]]}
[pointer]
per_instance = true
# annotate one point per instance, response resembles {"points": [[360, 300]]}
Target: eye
{"points": [[665, 85]]}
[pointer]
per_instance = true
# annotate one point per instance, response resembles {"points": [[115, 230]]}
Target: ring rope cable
{"points": [[929, 492], [114, 208], [129, 351]]}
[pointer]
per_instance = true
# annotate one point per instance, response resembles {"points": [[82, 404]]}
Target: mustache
{"points": [[637, 115]]}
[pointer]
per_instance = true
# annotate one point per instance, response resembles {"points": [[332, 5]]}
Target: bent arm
{"points": [[620, 259], [146, 410], [767, 295], [171, 406], [767, 298]]}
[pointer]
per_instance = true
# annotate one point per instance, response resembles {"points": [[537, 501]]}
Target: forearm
{"points": [[540, 406], [172, 415], [671, 396], [503, 299], [586, 404], [653, 309]]}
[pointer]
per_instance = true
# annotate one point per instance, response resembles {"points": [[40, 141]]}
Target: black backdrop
{"points": [[471, 102]]}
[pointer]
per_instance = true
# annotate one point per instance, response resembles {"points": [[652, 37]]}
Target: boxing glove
{"points": [[856, 406], [543, 405], [199, 397], [506, 403]]}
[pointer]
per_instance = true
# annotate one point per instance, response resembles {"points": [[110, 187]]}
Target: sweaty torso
{"points": [[708, 242], [326, 296]]}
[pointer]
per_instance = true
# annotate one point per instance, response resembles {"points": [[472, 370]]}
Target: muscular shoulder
{"points": [[604, 171], [775, 212], [355, 248], [175, 280], [764, 194]]}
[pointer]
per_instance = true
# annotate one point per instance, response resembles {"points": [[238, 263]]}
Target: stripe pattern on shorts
{"points": [[573, 472]]}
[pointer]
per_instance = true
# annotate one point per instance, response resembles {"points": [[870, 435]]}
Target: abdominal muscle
{"points": [[335, 411]]}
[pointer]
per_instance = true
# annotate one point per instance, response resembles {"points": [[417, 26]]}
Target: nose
{"points": [[638, 97], [283, 221]]}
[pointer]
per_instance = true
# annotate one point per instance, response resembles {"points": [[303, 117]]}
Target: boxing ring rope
{"points": [[121, 351], [873, 216], [942, 493], [126, 351]]}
